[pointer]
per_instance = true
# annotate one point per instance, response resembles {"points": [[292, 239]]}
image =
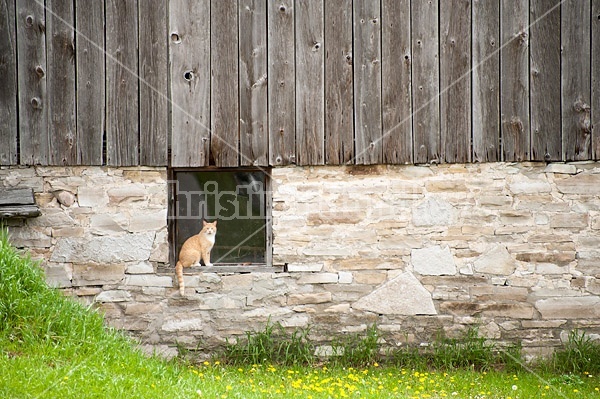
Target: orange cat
{"points": [[195, 248]]}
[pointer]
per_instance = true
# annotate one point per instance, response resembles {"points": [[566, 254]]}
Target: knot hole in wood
{"points": [[188, 75]]}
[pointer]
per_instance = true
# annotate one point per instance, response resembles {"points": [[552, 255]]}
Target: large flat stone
{"points": [[433, 261], [105, 249], [183, 325], [433, 212], [114, 296], [403, 295], [93, 274], [583, 307], [585, 184], [93, 197], [497, 260], [28, 238]]}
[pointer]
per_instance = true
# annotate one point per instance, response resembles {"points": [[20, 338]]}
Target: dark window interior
{"points": [[236, 198]]}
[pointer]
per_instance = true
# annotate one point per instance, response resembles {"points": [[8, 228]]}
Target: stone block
{"points": [[59, 275], [94, 274], [335, 218], [68, 232], [561, 168], [370, 277], [146, 221], [140, 268], [143, 309], [104, 249], [503, 309], [583, 184], [570, 220], [52, 217], [433, 261], [64, 197], [433, 212], [496, 260], [403, 295], [107, 224], [345, 277], [128, 193], [160, 247], [114, 296], [215, 301], [183, 325], [498, 293], [318, 278], [446, 186], [145, 280], [593, 286], [495, 201], [583, 307], [558, 258], [340, 308], [309, 298], [549, 268], [94, 197], [529, 186], [237, 281], [25, 237], [304, 267]]}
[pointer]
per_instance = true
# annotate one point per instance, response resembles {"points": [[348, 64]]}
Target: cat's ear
{"points": [[203, 222], [215, 223]]}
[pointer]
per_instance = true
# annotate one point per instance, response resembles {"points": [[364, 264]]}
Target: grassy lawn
{"points": [[53, 347]]}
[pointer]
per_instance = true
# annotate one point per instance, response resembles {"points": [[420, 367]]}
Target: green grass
{"points": [[53, 347]]}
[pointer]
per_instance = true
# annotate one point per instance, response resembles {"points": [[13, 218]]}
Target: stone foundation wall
{"points": [[511, 248]]}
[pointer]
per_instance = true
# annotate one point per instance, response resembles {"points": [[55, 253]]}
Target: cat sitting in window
{"points": [[195, 248]]}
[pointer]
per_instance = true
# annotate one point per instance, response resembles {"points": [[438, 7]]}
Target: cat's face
{"points": [[209, 228]]}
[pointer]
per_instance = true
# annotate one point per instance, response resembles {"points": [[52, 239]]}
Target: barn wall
{"points": [[512, 248], [240, 82]]}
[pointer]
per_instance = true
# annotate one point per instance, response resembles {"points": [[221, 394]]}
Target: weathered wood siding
{"points": [[258, 82]]}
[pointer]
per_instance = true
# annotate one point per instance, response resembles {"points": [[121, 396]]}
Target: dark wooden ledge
{"points": [[18, 203]]}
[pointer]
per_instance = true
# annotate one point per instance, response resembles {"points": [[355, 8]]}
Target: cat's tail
{"points": [[179, 273]]}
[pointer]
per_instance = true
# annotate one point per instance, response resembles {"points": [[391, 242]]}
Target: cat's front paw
{"points": [[209, 264]]}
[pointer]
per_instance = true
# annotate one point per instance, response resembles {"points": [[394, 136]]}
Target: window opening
{"points": [[238, 199]]}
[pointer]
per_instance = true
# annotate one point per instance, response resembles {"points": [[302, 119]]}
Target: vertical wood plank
{"points": [[425, 81], [367, 82], [546, 138], [60, 18], [396, 81], [190, 82], [576, 79], [91, 89], [153, 61], [339, 116], [595, 79], [514, 75], [310, 89], [455, 80], [8, 84], [486, 81], [253, 82], [122, 105], [224, 94], [282, 71], [31, 64]]}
